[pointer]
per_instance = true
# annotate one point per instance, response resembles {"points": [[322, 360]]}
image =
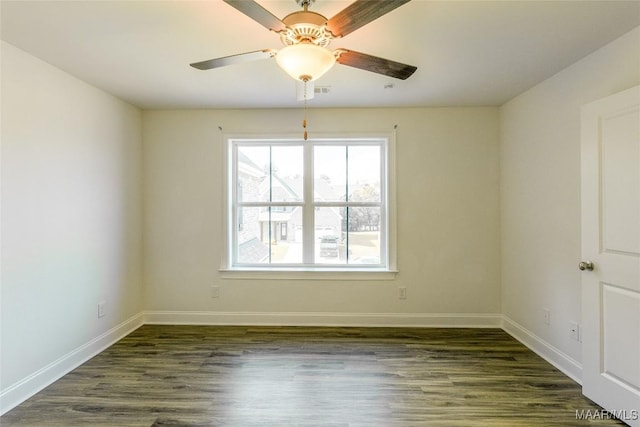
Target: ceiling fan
{"points": [[307, 34]]}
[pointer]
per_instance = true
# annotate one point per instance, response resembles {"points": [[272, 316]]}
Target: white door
{"points": [[611, 242]]}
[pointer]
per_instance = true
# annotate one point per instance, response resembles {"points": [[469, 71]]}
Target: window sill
{"points": [[308, 274]]}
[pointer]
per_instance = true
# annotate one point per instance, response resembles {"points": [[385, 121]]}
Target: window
{"points": [[316, 204]]}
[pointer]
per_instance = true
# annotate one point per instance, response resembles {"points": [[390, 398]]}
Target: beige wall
{"points": [[540, 189], [447, 202], [71, 217]]}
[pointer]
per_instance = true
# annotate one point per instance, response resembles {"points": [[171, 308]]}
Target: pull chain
{"points": [[304, 120]]}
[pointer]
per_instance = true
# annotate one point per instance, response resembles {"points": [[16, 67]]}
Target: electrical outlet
{"points": [[574, 331], [215, 291], [546, 313], [402, 293], [102, 305]]}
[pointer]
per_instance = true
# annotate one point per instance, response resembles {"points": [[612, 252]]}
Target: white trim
{"points": [[391, 202], [417, 320], [385, 141], [225, 170], [565, 363], [308, 213], [17, 393], [307, 274]]}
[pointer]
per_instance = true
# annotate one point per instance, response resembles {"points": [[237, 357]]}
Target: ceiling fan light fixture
{"points": [[305, 61]]}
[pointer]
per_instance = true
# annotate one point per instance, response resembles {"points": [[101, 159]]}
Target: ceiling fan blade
{"points": [[234, 59], [360, 13], [258, 13], [374, 64]]}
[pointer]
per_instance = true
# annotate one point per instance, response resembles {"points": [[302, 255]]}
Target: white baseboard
{"points": [[445, 320], [17, 393], [565, 363]]}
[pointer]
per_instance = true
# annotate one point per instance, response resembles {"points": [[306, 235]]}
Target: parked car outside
{"points": [[329, 246]]}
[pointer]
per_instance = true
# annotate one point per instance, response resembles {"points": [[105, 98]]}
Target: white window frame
{"points": [[307, 269]]}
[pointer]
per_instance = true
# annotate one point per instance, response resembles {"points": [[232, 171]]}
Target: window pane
{"points": [[287, 169], [253, 244], [270, 173], [330, 173], [285, 225], [364, 173], [270, 235], [329, 245], [253, 173], [363, 236]]}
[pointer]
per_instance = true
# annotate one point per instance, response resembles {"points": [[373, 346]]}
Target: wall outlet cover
{"points": [[102, 305]]}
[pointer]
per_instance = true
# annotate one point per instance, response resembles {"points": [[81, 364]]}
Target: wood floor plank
{"points": [[310, 376]]}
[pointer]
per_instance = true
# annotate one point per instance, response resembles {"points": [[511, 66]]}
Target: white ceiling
{"points": [[468, 53]]}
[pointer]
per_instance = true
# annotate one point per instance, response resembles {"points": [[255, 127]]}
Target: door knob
{"points": [[586, 265]]}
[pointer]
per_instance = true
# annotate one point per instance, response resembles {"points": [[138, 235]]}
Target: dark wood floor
{"points": [[274, 376]]}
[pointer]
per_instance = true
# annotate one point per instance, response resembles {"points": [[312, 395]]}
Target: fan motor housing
{"points": [[305, 26]]}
